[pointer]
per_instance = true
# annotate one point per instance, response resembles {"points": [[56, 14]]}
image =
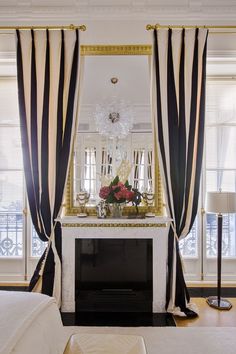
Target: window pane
{"points": [[11, 191], [189, 245], [211, 147], [10, 148], [11, 217], [228, 236], [221, 147], [37, 246], [211, 180], [9, 101], [11, 231], [228, 181]]}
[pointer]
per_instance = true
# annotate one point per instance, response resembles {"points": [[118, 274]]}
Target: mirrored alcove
{"points": [[114, 127]]}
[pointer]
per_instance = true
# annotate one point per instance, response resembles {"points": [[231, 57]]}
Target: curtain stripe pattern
{"points": [[179, 71], [48, 76]]}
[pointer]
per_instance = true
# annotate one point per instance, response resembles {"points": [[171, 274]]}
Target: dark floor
{"points": [[193, 292], [118, 319], [205, 292], [131, 319]]}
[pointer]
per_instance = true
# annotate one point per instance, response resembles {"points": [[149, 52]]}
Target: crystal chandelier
{"points": [[114, 117]]}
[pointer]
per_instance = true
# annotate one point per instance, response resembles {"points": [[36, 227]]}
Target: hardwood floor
{"points": [[210, 317]]}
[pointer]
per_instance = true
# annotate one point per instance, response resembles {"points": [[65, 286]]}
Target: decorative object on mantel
{"points": [[82, 198], [116, 195], [136, 200], [116, 210], [148, 198], [114, 117], [101, 209]]}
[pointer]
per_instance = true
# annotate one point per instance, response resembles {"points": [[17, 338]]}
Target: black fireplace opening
{"points": [[113, 275]]}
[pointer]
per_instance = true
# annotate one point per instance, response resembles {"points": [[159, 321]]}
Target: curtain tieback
{"points": [[45, 256], [174, 230]]}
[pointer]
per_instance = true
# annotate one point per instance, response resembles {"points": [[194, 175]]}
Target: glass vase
{"points": [[116, 210]]}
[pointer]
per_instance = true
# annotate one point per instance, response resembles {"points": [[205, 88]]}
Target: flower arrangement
{"points": [[117, 192]]}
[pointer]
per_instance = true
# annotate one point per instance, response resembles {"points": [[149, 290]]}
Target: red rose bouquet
{"points": [[117, 192]]}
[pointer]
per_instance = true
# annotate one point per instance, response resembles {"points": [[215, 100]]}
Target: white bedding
{"points": [[172, 340], [30, 323], [105, 344]]}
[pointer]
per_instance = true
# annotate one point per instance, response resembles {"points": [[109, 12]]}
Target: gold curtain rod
{"points": [[69, 27], [210, 27]]}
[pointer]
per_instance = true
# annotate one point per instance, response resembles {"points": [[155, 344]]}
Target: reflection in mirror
{"points": [[97, 160], [114, 130]]}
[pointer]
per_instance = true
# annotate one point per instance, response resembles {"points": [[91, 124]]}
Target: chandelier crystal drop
{"points": [[114, 117]]}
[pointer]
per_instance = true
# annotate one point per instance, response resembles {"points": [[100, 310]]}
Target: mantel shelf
{"points": [[75, 221]]}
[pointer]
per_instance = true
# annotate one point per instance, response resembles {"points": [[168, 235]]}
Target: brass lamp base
{"points": [[223, 304]]}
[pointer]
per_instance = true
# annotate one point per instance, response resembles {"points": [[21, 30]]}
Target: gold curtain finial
{"points": [[150, 27], [82, 28]]}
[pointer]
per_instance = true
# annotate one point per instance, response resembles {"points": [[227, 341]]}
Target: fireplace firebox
{"points": [[113, 275]]}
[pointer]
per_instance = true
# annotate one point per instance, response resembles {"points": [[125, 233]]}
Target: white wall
{"points": [[123, 32]]}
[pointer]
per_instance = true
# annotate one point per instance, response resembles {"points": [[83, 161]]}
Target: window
{"points": [[11, 173], [19, 245], [219, 172], [220, 160]]}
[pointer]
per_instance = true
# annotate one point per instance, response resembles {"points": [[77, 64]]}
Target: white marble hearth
{"points": [[91, 227]]}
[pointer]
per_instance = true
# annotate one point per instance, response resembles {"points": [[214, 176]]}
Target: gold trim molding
{"points": [[126, 49], [111, 224], [70, 208], [158, 208]]}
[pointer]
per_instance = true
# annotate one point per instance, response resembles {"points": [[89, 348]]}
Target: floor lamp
{"points": [[220, 203]]}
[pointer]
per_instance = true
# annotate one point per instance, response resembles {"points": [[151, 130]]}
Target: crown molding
{"points": [[25, 11]]}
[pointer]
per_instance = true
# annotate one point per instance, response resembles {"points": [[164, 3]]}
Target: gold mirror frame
{"points": [[70, 209]]}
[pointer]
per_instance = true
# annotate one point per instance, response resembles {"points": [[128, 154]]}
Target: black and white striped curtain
{"points": [[178, 102], [48, 76]]}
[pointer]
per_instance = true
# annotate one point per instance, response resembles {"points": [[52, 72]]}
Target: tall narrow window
{"points": [[199, 248], [221, 160], [20, 246], [11, 173]]}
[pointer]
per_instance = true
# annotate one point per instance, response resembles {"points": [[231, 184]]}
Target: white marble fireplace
{"points": [[91, 227]]}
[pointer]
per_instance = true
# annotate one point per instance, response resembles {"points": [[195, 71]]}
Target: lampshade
{"points": [[220, 202]]}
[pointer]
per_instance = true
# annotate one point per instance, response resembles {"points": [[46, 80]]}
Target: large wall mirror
{"points": [[115, 127]]}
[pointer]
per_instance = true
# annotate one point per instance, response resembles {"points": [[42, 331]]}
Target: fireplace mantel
{"points": [[92, 227]]}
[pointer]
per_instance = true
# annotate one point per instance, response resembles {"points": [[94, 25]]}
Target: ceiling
{"points": [[133, 85], [121, 22], [131, 71], [173, 10]]}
